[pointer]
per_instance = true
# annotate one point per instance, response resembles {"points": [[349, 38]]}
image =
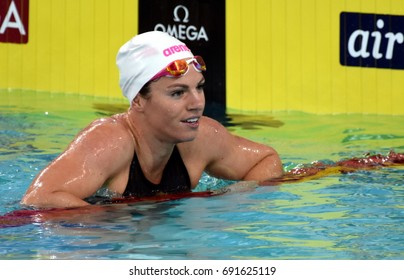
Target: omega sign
{"points": [[372, 40], [14, 21], [181, 30], [201, 25]]}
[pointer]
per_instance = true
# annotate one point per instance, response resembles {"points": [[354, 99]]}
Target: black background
{"points": [[207, 13]]}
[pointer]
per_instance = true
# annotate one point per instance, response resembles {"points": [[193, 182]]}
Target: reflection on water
{"points": [[341, 216]]}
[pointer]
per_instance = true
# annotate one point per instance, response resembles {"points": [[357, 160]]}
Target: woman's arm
{"points": [[237, 158], [91, 159]]}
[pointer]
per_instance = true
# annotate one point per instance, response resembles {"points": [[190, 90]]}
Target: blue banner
{"points": [[372, 40]]}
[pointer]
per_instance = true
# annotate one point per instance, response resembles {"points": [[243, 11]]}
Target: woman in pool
{"points": [[162, 144]]}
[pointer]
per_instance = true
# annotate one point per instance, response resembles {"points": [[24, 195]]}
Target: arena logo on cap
{"points": [[178, 48], [14, 21], [182, 31], [372, 40]]}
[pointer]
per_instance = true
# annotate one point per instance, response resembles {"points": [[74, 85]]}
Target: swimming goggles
{"points": [[180, 67]]}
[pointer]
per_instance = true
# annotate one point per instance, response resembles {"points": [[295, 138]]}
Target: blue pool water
{"points": [[356, 215]]}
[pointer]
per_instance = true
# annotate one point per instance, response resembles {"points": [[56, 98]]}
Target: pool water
{"points": [[356, 215]]}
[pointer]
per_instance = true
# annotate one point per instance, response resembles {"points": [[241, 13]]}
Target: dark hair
{"points": [[145, 90]]}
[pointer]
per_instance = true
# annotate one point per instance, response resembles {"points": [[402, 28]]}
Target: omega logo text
{"points": [[181, 30]]}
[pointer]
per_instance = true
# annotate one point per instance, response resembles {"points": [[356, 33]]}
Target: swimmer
{"points": [[161, 144]]}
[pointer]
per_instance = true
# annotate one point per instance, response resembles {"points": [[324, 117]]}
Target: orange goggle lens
{"points": [[180, 67]]}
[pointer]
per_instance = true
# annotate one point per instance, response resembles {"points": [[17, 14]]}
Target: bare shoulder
{"points": [[212, 138], [104, 135], [230, 156], [106, 129], [212, 128]]}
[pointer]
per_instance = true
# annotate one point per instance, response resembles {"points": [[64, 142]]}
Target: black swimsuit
{"points": [[175, 178]]}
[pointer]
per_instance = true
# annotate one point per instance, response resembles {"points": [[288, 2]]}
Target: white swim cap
{"points": [[144, 56]]}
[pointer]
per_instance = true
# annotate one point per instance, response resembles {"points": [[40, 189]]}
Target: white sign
{"points": [[181, 30]]}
